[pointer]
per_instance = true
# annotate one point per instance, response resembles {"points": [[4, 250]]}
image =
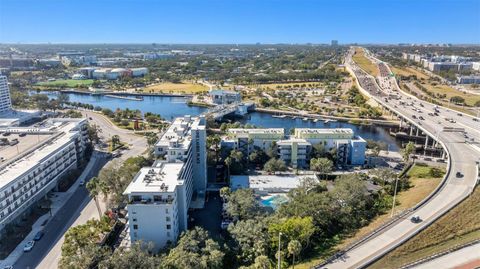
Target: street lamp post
{"points": [[394, 196], [279, 251]]}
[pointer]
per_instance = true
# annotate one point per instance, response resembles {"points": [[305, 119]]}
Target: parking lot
{"points": [[210, 217], [24, 143]]}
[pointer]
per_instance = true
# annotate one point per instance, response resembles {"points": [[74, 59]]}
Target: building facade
{"points": [[27, 177], [296, 149], [224, 97]]}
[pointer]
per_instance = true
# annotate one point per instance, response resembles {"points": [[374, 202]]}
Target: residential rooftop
{"points": [[162, 177]]}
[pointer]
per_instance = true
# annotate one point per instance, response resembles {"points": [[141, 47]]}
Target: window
{"points": [[168, 234], [134, 220], [166, 210], [169, 226], [168, 218], [135, 226]]}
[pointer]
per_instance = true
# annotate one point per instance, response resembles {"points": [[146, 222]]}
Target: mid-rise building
{"points": [[160, 196], [27, 176], [246, 140], [5, 100], [295, 149]]}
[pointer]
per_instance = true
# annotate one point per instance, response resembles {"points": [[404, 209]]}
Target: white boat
{"points": [[305, 119], [315, 120], [279, 116]]}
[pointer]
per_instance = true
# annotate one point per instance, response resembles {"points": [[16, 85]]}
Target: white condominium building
{"points": [[47, 153], [160, 196], [185, 140], [5, 100]]}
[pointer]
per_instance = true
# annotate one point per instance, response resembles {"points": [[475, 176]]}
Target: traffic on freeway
{"points": [[457, 133]]}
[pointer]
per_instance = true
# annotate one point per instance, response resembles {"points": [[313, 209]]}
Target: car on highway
{"points": [[475, 119], [38, 236], [82, 182], [28, 246], [415, 219], [459, 174], [460, 114]]}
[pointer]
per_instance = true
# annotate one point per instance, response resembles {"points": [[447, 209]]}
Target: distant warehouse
{"points": [[112, 73]]}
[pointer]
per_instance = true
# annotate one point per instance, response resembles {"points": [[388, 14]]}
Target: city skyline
{"points": [[241, 22]]}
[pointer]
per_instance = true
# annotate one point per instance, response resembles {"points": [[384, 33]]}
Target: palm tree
{"points": [[115, 141], [294, 247], [228, 162], [93, 189]]}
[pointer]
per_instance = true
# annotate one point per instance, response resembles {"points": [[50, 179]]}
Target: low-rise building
{"points": [[246, 140], [472, 79], [224, 97]]}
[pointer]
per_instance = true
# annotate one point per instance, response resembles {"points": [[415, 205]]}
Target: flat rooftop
{"points": [[257, 131], [160, 178], [324, 130], [178, 133], [268, 183], [293, 140], [55, 134]]}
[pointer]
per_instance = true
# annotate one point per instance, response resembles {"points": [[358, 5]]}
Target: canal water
{"points": [[171, 107]]}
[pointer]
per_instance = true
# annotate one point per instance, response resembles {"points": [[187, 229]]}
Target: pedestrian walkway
{"points": [[58, 200]]}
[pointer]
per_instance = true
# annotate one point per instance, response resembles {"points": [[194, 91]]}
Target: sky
{"points": [[239, 21]]}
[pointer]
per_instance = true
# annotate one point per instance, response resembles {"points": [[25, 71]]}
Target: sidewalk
{"points": [[58, 200]]}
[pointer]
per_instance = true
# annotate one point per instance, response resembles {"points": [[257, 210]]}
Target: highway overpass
{"points": [[459, 136]]}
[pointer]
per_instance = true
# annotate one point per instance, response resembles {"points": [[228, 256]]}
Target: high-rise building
{"points": [[334, 43], [160, 196], [5, 100]]}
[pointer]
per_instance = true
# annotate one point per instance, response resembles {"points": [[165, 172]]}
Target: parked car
{"points": [[22, 134], [459, 174], [38, 236], [415, 219], [28, 246]]}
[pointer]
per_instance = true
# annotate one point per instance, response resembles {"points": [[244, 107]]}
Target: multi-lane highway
{"points": [[462, 150]]}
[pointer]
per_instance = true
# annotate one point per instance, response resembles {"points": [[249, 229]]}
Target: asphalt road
{"points": [[59, 224], [463, 158], [80, 207], [468, 257]]}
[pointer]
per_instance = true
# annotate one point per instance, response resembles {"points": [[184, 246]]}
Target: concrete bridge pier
{"points": [[425, 146]]}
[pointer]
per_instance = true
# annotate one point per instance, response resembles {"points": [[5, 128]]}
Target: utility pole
{"points": [[279, 251]]}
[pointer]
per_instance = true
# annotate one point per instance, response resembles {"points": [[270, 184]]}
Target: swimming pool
{"points": [[274, 200]]}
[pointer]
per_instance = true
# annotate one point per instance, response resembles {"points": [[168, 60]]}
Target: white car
{"points": [[28, 246]]}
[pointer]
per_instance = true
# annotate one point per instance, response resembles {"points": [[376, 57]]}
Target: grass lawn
{"points": [[422, 185], [67, 83], [364, 63], [183, 87], [409, 71], [470, 99], [458, 226]]}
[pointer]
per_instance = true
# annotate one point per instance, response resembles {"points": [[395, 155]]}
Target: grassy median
{"points": [[365, 63]]}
